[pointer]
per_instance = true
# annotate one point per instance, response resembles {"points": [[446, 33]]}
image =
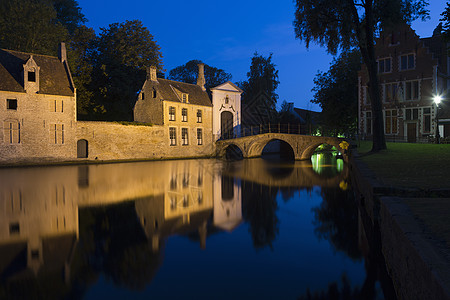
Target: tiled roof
{"points": [[165, 89], [53, 77]]}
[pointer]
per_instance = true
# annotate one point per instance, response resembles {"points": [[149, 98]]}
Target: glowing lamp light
{"points": [[437, 99]]}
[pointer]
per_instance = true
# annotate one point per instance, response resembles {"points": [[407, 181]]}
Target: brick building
{"points": [[38, 106], [411, 72]]}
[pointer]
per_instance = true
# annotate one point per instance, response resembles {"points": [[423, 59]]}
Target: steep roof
{"points": [[53, 76], [166, 90]]}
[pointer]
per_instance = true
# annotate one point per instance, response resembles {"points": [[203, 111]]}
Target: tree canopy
{"points": [[189, 71], [446, 19], [259, 98], [336, 91], [121, 53], [343, 24]]}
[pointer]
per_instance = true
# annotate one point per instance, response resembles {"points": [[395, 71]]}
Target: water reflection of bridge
{"points": [[41, 205]]}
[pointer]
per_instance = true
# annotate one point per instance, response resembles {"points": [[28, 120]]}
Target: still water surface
{"points": [[190, 229]]}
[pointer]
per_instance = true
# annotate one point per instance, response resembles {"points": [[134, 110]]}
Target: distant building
{"points": [[38, 111], [411, 72]]}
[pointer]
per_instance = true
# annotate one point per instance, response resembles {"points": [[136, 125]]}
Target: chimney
{"points": [[201, 76], [62, 52], [151, 73]]}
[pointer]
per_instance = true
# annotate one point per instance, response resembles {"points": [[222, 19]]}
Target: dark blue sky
{"points": [[226, 34]]}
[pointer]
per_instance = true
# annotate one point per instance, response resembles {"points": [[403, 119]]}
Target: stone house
{"points": [[38, 106], [411, 70]]}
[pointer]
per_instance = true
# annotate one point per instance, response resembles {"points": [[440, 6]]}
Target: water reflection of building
{"points": [[227, 202], [39, 218]]}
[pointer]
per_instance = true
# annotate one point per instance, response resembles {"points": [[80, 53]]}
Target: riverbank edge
{"points": [[417, 263], [55, 163]]}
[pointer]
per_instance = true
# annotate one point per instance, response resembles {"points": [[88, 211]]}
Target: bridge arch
{"points": [[309, 150], [232, 151], [277, 148]]}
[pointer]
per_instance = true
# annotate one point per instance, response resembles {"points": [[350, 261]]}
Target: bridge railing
{"points": [[250, 130]]}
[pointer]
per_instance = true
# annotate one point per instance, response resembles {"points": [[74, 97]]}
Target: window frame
{"points": [[199, 116], [172, 113], [414, 94], [11, 133], [199, 136], [184, 136], [173, 136], [425, 115], [408, 61], [383, 62], [9, 104], [184, 115], [390, 122]]}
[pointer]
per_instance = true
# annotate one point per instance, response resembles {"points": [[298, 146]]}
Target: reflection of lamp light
{"points": [[437, 99]]}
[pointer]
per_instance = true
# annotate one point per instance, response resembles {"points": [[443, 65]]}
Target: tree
{"points": [[122, 52], [259, 98], [342, 24], [30, 26], [69, 14], [336, 91], [189, 71], [446, 25]]}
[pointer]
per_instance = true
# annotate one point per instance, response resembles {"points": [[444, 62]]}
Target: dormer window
{"points": [[184, 98], [31, 76]]}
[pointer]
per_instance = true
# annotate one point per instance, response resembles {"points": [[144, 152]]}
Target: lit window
{"points": [[384, 65], [390, 118], [11, 104], [184, 98], [171, 113], [184, 115], [184, 136], [407, 62], [199, 116], [199, 137], [173, 136]]}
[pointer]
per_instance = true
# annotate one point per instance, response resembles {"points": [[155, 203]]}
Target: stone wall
{"points": [[114, 141]]}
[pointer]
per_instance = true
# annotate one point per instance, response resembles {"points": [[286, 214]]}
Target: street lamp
{"points": [[437, 99]]}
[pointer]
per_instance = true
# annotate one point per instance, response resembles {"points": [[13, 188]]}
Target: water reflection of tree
{"points": [[258, 209], [112, 242], [336, 220], [334, 292]]}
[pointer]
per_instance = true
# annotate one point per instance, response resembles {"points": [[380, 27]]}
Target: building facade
{"points": [[411, 72], [38, 110]]}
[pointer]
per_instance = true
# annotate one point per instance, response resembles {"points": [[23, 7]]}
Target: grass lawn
{"points": [[425, 166]]}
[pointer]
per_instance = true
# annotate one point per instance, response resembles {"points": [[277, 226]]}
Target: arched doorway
{"points": [[82, 149], [226, 125]]}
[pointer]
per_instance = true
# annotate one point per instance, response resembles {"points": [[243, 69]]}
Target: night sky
{"points": [[226, 34]]}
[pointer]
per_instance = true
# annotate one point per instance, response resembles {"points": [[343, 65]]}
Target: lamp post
{"points": [[437, 99]]}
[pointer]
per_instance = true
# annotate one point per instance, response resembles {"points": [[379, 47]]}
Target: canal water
{"points": [[185, 229]]}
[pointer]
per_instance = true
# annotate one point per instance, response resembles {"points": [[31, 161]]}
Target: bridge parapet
{"points": [[303, 146]]}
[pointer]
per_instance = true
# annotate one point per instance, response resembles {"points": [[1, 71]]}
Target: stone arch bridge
{"points": [[303, 146]]}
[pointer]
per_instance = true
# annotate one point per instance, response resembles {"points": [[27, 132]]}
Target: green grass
{"points": [[425, 166]]}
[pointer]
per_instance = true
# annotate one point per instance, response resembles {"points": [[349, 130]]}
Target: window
{"points": [[412, 90], [227, 100], [57, 134], [199, 116], [427, 120], [366, 95], [31, 76], [184, 98], [185, 201], [407, 62], [184, 113], [199, 137], [384, 65], [14, 228], [368, 122], [390, 92], [143, 96], [184, 136], [200, 197], [171, 113], [11, 132], [11, 104], [56, 106], [412, 114], [154, 93], [185, 180], [173, 136], [390, 119], [173, 202]]}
